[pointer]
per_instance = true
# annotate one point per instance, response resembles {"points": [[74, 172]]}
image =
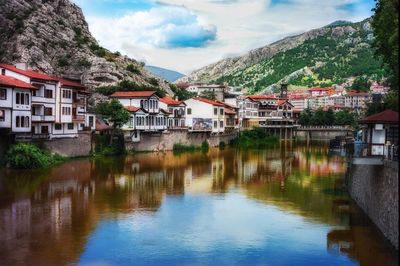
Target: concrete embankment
{"points": [[304, 135], [165, 141], [375, 189]]}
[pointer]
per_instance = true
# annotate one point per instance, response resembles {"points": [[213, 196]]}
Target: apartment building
{"points": [[205, 115], [248, 112], [316, 91], [357, 101]]}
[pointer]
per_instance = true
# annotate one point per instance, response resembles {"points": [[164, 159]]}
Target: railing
{"points": [[378, 150], [78, 117], [324, 127], [78, 101]]}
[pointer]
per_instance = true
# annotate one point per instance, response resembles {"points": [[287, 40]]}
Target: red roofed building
{"points": [[317, 91], [357, 101], [205, 115], [15, 105], [176, 110], [58, 105]]}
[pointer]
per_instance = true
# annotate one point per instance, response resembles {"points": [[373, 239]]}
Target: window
{"points": [[215, 124], [2, 115], [3, 94], [48, 93], [26, 122], [17, 98], [48, 111], [189, 111], [70, 126], [26, 98], [221, 124], [221, 111], [17, 121], [45, 129], [66, 94], [66, 111], [91, 121], [215, 111], [3, 72], [57, 126]]}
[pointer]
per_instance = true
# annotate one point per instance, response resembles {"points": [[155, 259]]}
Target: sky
{"points": [[184, 35]]}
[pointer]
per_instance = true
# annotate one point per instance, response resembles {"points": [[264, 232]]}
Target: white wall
{"points": [[7, 119]]}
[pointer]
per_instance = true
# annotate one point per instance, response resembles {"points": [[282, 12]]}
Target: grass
{"points": [[255, 138]]}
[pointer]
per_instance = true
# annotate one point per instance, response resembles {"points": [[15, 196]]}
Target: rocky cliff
{"points": [[53, 36]]}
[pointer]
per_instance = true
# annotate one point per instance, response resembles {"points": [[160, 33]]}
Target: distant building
{"points": [[317, 91]]}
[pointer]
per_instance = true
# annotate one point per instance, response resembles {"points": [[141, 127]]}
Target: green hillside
{"points": [[338, 54]]}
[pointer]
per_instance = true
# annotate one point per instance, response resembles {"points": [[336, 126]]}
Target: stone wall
{"points": [[375, 189], [70, 147], [165, 141]]}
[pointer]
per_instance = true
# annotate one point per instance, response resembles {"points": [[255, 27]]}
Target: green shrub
{"points": [[255, 138], [103, 147], [133, 69], [29, 156], [205, 146], [62, 62]]}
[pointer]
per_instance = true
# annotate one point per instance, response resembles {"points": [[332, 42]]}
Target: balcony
{"points": [[76, 102], [78, 117], [43, 118]]}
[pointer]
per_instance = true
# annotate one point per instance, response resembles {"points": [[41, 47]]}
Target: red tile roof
{"points": [[132, 109], [14, 83], [319, 89], [205, 100], [282, 101], [69, 83], [229, 111], [354, 93], [260, 97], [133, 94], [33, 74], [385, 117], [101, 125], [170, 101]]}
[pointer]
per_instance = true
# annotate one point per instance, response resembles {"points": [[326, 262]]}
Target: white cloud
{"points": [[160, 36]]}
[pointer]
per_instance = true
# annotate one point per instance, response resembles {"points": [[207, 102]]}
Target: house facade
{"points": [[248, 112], [176, 110], [205, 115]]}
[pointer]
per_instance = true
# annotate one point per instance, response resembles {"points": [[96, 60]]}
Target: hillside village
{"points": [[35, 105]]}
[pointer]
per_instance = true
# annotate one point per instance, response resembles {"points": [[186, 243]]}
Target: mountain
{"points": [[166, 74], [318, 57], [54, 37]]}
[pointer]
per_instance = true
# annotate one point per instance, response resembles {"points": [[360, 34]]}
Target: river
{"points": [[279, 206]]}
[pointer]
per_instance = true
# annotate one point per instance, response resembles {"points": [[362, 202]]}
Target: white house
{"points": [[357, 101], [58, 106], [248, 112], [15, 105], [205, 115], [147, 115], [177, 110]]}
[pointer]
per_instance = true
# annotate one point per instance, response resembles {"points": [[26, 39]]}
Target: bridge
{"points": [[322, 132]]}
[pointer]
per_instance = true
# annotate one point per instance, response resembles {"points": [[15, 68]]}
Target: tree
{"points": [[385, 23], [361, 83], [329, 117], [318, 118], [115, 113], [182, 94], [344, 117], [305, 117]]}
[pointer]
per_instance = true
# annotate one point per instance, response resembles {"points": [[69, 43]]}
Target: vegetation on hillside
{"points": [[181, 93], [126, 85], [330, 58], [29, 156]]}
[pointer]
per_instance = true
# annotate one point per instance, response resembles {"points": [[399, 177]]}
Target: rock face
{"points": [[53, 36], [233, 66]]}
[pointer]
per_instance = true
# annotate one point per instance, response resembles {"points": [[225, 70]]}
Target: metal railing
{"points": [[365, 150]]}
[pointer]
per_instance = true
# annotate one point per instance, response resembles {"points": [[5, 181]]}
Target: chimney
{"points": [[22, 66], [284, 89]]}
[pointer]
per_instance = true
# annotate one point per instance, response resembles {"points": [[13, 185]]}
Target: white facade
{"points": [[204, 116]]}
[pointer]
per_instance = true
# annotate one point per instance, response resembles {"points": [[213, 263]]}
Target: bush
{"points": [[205, 146], [256, 138], [29, 156], [133, 69], [103, 147]]}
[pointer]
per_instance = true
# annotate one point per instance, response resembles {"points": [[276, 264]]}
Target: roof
{"points": [[69, 83], [33, 74], [164, 111], [132, 108], [205, 100], [170, 101], [261, 97], [133, 94], [354, 93], [101, 125], [385, 117], [229, 111], [14, 83], [319, 89]]}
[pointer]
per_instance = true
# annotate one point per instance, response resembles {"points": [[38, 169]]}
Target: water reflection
{"points": [[231, 202]]}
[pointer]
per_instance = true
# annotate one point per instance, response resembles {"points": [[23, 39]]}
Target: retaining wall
{"points": [[166, 140], [70, 147], [375, 189], [320, 134]]}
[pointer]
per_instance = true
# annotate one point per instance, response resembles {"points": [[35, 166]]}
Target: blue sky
{"points": [[184, 35]]}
